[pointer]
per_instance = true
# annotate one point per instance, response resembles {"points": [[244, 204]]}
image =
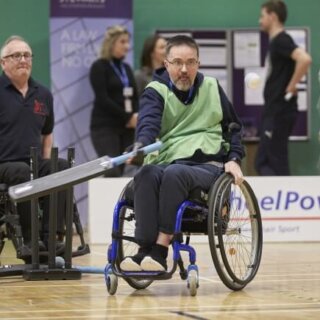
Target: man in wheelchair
{"points": [[201, 136], [27, 120]]}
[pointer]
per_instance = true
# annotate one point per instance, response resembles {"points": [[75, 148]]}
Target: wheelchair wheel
{"points": [[235, 232], [112, 283], [193, 281], [128, 248]]}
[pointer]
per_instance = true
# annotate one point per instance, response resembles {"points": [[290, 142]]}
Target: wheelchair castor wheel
{"points": [[112, 283], [193, 280]]}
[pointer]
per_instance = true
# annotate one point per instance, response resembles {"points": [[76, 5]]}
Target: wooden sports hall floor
{"points": [[287, 286]]}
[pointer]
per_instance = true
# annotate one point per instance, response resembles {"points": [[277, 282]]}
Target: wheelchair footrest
{"points": [[154, 275]]}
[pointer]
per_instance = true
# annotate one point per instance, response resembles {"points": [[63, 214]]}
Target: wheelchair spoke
{"points": [[237, 234], [128, 248]]}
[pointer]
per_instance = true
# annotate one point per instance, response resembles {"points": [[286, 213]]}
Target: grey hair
{"points": [[10, 39]]}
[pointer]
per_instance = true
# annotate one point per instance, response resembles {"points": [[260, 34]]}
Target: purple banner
{"points": [[215, 46], [91, 8], [77, 29]]}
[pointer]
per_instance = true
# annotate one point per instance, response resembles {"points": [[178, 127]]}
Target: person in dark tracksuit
{"points": [[286, 65], [190, 114]]}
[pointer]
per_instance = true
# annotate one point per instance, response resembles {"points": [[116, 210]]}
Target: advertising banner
{"points": [[290, 208], [77, 28]]}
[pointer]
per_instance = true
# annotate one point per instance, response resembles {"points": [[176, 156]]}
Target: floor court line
{"points": [[286, 287], [288, 274], [165, 314], [243, 307], [155, 283]]}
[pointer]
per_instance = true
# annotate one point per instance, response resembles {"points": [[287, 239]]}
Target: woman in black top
{"points": [[152, 58], [114, 114]]}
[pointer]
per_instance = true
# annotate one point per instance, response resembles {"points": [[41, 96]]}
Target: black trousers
{"points": [[112, 142], [272, 155], [158, 192], [12, 173]]}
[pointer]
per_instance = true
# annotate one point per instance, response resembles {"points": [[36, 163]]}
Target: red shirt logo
{"points": [[39, 108]]}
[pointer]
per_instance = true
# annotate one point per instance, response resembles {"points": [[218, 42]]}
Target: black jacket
{"points": [[108, 109], [150, 116]]}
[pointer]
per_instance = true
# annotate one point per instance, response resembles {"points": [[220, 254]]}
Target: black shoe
{"points": [[42, 246], [156, 260], [132, 263], [24, 251], [60, 247]]}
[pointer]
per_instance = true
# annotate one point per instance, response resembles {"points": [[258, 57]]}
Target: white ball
{"points": [[59, 262], [252, 80]]}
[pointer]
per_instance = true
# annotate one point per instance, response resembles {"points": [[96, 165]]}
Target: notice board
{"points": [[228, 55]]}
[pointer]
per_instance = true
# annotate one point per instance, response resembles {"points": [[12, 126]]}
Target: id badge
{"points": [[127, 92], [128, 105]]}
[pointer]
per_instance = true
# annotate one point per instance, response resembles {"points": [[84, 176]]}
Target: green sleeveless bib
{"points": [[186, 128]]}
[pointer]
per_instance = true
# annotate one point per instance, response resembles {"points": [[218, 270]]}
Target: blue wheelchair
{"points": [[228, 214]]}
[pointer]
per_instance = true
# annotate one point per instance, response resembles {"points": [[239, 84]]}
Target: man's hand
{"points": [[234, 168], [132, 123], [302, 62], [137, 159]]}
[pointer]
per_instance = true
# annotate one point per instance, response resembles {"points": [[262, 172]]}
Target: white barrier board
{"points": [[290, 207]]}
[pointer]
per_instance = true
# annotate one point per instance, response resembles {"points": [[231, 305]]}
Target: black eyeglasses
{"points": [[17, 56], [178, 64]]}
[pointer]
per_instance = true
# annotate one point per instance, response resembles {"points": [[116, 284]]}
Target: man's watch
{"points": [[237, 160]]}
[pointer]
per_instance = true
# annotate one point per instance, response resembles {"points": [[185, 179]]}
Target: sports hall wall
{"points": [[30, 18]]}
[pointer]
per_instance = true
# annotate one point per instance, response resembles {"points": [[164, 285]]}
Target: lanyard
{"points": [[189, 94], [121, 74]]}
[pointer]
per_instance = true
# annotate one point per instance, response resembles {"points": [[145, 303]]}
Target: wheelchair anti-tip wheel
{"points": [[234, 231], [128, 248]]}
